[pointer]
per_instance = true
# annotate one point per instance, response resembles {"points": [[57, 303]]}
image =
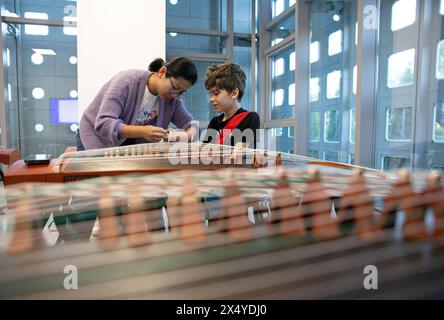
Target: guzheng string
{"points": [[311, 195]]}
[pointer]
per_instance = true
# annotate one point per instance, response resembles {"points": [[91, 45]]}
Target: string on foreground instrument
{"points": [[267, 233]]}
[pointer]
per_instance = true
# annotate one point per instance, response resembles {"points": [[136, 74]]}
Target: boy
{"points": [[226, 83]]}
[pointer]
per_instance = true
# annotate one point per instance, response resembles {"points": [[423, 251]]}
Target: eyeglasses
{"points": [[176, 88]]}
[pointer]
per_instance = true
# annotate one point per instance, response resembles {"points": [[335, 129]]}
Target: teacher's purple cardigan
{"points": [[117, 104]]}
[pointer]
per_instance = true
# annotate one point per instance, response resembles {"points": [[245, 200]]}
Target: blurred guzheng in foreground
{"points": [[283, 227]]}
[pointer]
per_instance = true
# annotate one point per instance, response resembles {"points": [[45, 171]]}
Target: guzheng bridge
{"points": [[282, 227]]}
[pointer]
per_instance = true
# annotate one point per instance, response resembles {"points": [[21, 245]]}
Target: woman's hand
{"points": [[176, 136], [153, 133]]}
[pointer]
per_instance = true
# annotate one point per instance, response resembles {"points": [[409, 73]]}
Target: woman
{"points": [[136, 106]]}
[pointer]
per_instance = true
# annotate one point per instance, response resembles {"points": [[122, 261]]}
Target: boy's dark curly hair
{"points": [[226, 76]]}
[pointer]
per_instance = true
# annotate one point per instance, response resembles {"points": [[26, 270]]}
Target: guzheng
{"points": [[268, 233], [149, 158]]}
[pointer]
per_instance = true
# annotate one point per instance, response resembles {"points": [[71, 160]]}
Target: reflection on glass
{"points": [[333, 26], [242, 16], [391, 163], [438, 128], [68, 30], [351, 158], [331, 156], [314, 52], [335, 43], [403, 14], [181, 43], [242, 56], [284, 138], [355, 77], [315, 126], [313, 153], [196, 98], [334, 84], [401, 69], [283, 30], [35, 29], [199, 14], [277, 7], [331, 126], [278, 67], [278, 98], [440, 60], [292, 61], [292, 94], [356, 34], [399, 124], [315, 89], [42, 88], [281, 99], [352, 125]]}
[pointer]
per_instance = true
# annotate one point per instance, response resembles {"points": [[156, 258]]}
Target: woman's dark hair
{"points": [[179, 67]]}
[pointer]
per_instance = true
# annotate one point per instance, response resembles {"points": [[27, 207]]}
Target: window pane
{"points": [[35, 29], [314, 52], [41, 94], [242, 56], [438, 128], [283, 30], [351, 158], [335, 43], [403, 14], [283, 138], [315, 126], [279, 6], [313, 154], [391, 163], [401, 69], [278, 67], [242, 16], [196, 99], [355, 77], [334, 84], [292, 61], [441, 7], [278, 98], [356, 34], [396, 91], [331, 156], [331, 126], [197, 14], [332, 26], [282, 106], [180, 43], [440, 60], [292, 94], [352, 125], [399, 124], [315, 89]]}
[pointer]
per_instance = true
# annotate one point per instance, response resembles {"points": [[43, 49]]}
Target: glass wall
{"points": [[280, 88], [396, 97], [332, 82], [211, 32], [41, 77], [432, 107], [403, 125]]}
